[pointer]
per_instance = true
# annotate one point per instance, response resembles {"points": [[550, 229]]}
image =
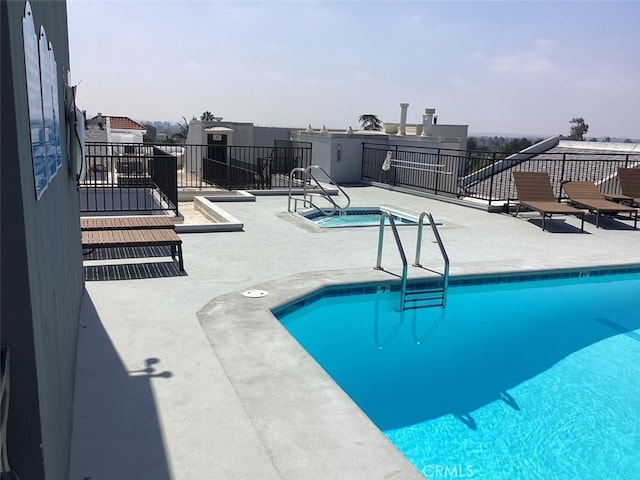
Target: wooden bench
{"points": [[125, 223], [132, 237]]}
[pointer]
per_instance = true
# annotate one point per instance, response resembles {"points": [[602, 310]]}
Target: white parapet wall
{"points": [[221, 220]]}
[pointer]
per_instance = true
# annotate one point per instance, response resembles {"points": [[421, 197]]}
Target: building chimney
{"points": [[100, 121], [403, 119], [427, 122]]}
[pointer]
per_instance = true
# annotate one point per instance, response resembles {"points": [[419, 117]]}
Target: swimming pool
{"points": [[355, 217], [518, 379]]}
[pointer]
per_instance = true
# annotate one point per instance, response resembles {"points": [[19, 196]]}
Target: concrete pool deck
{"points": [[184, 377]]}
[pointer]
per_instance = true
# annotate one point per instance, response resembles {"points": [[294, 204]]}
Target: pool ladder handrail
{"points": [[405, 266], [443, 252], [307, 196], [403, 285]]}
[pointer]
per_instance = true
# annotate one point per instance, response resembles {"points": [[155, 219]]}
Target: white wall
{"points": [[125, 136], [244, 134], [264, 136], [450, 132], [344, 163]]}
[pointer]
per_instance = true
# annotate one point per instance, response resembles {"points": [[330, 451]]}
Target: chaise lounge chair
{"points": [[587, 195], [630, 183], [535, 192]]}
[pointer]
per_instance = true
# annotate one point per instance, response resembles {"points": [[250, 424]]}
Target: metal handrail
{"points": [[307, 201], [324, 195], [403, 288], [340, 189], [443, 252], [421, 167]]}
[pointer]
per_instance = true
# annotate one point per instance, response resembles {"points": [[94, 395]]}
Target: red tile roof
{"points": [[125, 123], [122, 123]]}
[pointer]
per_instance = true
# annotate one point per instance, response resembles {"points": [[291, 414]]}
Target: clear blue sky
{"points": [[499, 67]]}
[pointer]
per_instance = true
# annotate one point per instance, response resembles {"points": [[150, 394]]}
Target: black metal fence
{"points": [[421, 168], [234, 167], [487, 176], [134, 177], [128, 177]]}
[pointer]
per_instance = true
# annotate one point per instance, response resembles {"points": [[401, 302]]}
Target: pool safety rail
{"points": [[306, 179], [426, 297], [417, 166]]}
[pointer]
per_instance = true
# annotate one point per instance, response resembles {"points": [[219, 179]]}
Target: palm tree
{"points": [[207, 116], [370, 121]]}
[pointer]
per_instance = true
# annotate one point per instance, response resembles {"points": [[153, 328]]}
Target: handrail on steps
{"points": [[387, 214], [436, 234], [324, 194]]}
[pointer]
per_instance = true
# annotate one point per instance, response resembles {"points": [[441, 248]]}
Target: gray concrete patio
{"points": [[184, 378]]}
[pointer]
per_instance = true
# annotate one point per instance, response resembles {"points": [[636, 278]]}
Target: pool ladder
{"points": [[316, 191], [418, 298]]}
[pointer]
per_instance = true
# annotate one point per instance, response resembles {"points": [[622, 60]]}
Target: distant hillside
{"points": [[511, 135], [486, 143], [532, 136], [168, 128]]}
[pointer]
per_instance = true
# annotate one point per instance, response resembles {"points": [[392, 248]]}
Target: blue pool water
{"points": [[355, 217], [521, 380]]}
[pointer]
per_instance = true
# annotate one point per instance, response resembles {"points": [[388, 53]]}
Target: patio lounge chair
{"points": [[630, 183], [535, 192], [587, 195]]}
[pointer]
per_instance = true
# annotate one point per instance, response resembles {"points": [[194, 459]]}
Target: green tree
{"points": [[516, 145], [472, 144], [369, 121], [207, 116], [483, 151], [578, 128], [152, 133], [181, 136]]}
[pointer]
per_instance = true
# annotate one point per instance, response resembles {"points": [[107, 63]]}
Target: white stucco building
{"points": [[340, 152]]}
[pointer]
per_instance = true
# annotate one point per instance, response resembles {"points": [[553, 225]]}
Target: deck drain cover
{"points": [[255, 293]]}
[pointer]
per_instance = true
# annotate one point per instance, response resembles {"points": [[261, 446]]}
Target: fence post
{"points": [[200, 164], [395, 169], [435, 190], [228, 168], [493, 174], [559, 194]]}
